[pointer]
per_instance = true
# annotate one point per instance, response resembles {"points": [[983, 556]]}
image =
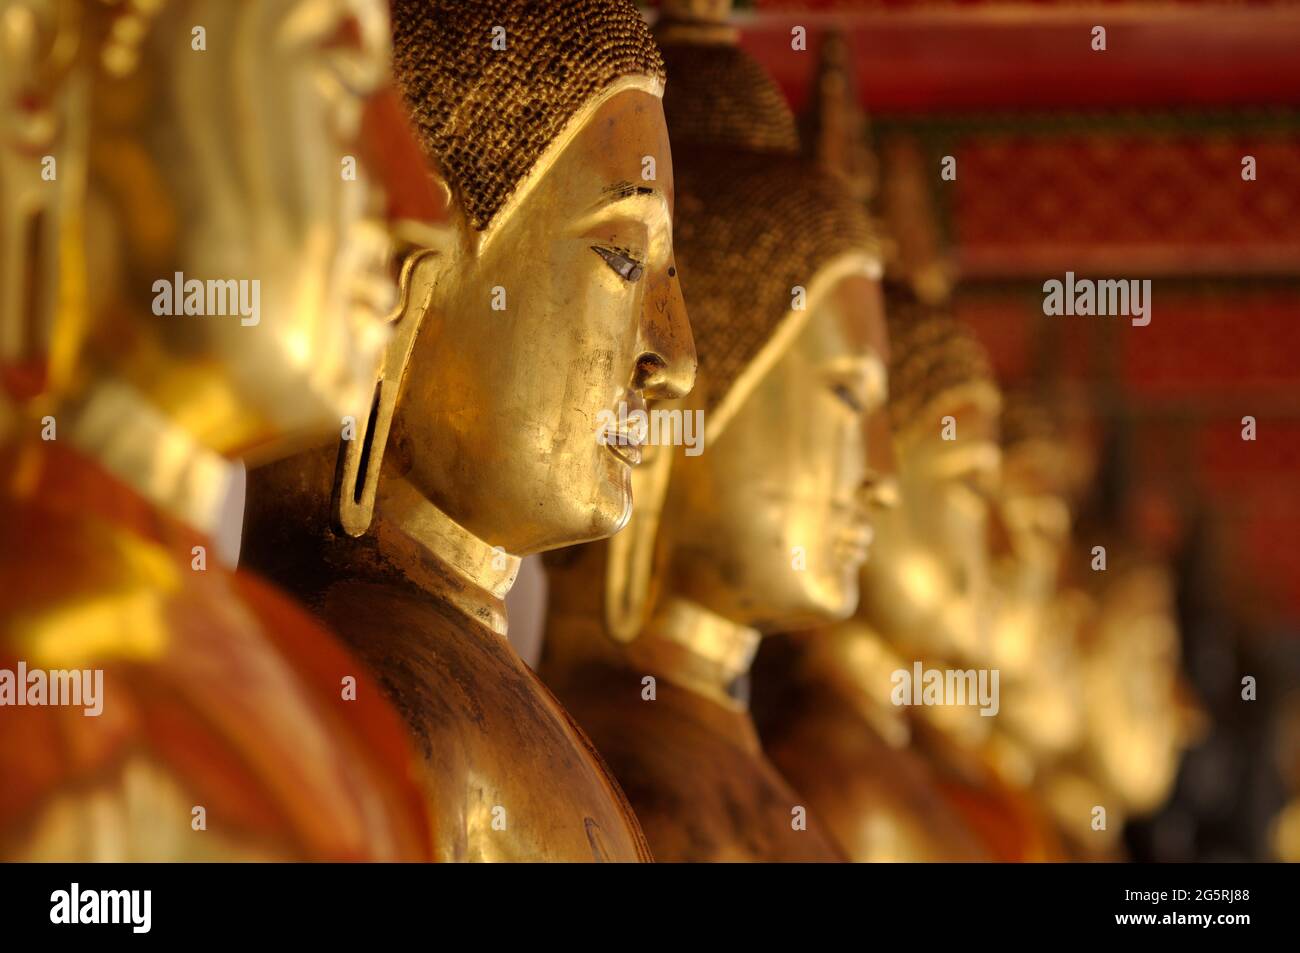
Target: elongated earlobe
{"points": [[356, 477]]}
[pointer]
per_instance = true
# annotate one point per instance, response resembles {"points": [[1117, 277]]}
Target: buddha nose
{"points": [[665, 367], [879, 491], [1001, 542], [881, 460]]}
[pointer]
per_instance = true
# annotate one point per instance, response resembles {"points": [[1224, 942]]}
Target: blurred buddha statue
{"points": [[1138, 715], [766, 527], [550, 299], [930, 587], [899, 784], [1042, 612], [1038, 616], [899, 775], [196, 286], [39, 49], [821, 697]]}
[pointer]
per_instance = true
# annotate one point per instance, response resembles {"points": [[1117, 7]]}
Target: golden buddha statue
{"points": [[815, 699], [202, 287], [825, 698], [766, 527], [1138, 717], [1107, 711], [549, 299], [38, 50], [1039, 612], [932, 593]]}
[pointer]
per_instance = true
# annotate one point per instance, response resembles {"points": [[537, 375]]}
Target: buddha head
{"points": [[1034, 641], [929, 579], [550, 297], [1139, 716], [229, 260], [1042, 472], [765, 528], [768, 526], [232, 276], [37, 50]]}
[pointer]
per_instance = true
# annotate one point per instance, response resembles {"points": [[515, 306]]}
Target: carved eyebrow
{"points": [[865, 376]]}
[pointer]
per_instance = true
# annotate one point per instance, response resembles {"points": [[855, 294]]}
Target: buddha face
{"points": [[1036, 516], [769, 525], [1033, 523], [32, 99], [930, 578], [564, 308], [1034, 639], [242, 164], [1138, 721]]}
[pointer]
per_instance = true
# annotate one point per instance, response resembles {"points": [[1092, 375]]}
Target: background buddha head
{"points": [[553, 292], [37, 49], [1034, 639], [1139, 715], [1043, 471], [224, 146], [929, 577], [768, 526], [1034, 499]]}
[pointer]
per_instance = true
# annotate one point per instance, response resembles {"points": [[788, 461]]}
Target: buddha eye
{"points": [[621, 260], [845, 393], [976, 483]]}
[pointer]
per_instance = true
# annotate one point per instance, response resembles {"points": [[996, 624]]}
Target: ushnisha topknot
{"points": [[1029, 418], [1040, 445], [754, 218], [487, 115], [719, 95], [749, 229], [930, 354]]}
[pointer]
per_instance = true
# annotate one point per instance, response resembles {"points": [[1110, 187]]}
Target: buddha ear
{"points": [[356, 476]]}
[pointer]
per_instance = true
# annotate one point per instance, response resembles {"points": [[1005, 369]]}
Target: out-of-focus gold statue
{"points": [[38, 48], [1138, 716], [882, 774], [197, 285], [1095, 713], [549, 300], [766, 527], [821, 698], [1039, 615]]}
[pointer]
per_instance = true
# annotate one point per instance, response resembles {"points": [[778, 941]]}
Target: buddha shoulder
{"points": [[508, 774]]}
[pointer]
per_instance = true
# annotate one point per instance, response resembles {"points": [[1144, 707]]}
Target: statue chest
{"points": [[508, 775]]}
